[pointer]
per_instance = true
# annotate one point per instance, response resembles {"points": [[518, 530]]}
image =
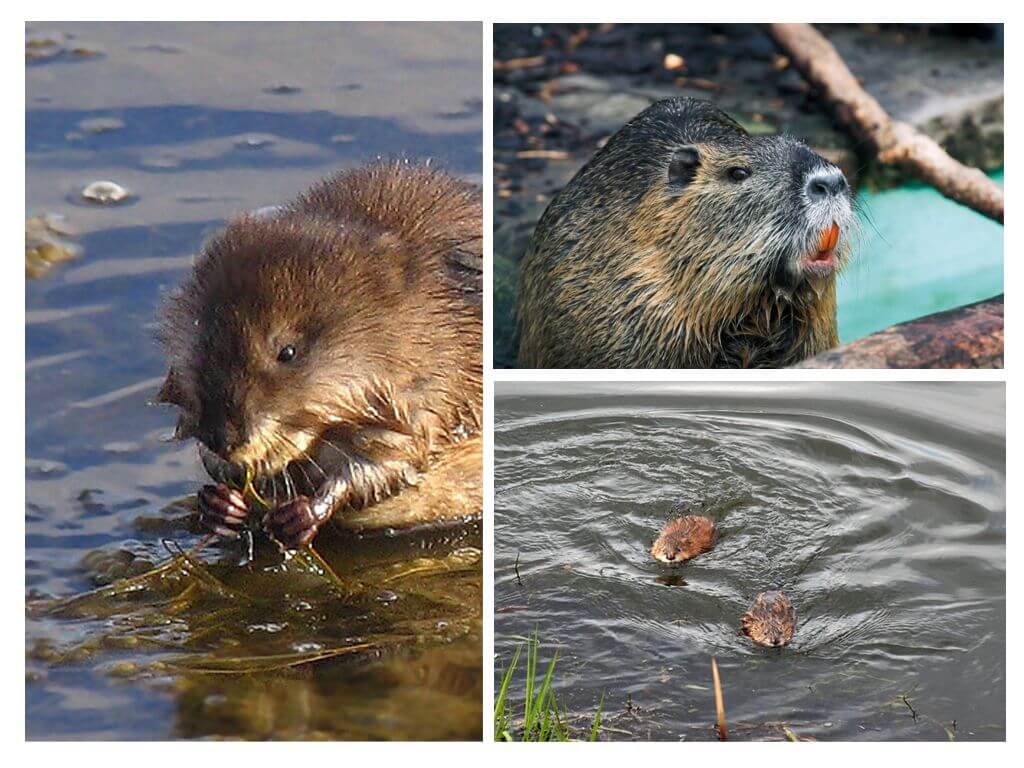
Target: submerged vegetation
{"points": [[358, 643], [542, 719]]}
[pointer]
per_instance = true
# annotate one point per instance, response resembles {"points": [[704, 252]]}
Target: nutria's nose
{"points": [[823, 183]]}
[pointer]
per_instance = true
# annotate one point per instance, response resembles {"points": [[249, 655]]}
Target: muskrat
{"points": [[684, 538], [685, 242], [325, 355], [770, 620]]}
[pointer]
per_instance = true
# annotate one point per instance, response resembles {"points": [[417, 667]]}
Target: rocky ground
{"points": [[561, 90]]}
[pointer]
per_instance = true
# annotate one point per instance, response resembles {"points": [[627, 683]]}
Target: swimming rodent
{"points": [[325, 356], [771, 619], [685, 242], [684, 538]]}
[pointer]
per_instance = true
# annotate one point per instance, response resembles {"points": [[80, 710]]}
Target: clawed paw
{"points": [[222, 510], [293, 524]]}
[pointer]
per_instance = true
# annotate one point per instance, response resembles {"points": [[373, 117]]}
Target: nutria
{"points": [[684, 538], [685, 242], [770, 620], [324, 356]]}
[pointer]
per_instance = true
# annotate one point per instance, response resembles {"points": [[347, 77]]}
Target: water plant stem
{"points": [[720, 726]]}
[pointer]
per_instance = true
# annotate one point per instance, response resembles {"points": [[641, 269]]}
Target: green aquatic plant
{"points": [[366, 636], [201, 608], [542, 719], [288, 643]]}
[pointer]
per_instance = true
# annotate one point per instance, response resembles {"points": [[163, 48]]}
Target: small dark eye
{"points": [[739, 174], [286, 355]]}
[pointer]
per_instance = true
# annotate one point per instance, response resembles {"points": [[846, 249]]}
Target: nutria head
{"points": [[686, 241], [295, 331], [771, 620], [684, 538]]}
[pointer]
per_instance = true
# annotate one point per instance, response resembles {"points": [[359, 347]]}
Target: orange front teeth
{"points": [[828, 239]]}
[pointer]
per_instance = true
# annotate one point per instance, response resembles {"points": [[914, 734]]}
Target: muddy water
{"points": [[200, 121], [878, 508]]}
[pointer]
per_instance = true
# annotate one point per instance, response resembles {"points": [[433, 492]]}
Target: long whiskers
{"points": [[281, 443], [289, 484], [299, 466], [288, 441], [309, 483], [325, 441]]}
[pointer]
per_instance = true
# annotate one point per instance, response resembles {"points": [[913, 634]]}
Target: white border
{"points": [[428, 755], [488, 525]]}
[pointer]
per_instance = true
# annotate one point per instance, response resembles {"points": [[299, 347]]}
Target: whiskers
{"points": [[292, 464], [300, 460], [297, 450]]}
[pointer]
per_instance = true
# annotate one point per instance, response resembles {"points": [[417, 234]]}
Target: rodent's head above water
{"points": [[680, 230], [348, 307], [771, 620], [684, 538]]}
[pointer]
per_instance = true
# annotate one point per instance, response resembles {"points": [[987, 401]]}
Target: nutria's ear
{"points": [[682, 167]]}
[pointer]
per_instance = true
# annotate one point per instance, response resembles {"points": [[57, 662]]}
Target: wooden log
{"points": [[966, 337], [894, 141]]}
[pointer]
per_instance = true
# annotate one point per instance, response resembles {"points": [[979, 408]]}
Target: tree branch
{"points": [[895, 142]]}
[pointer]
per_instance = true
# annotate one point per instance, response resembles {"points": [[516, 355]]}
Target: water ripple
{"points": [[880, 510]]}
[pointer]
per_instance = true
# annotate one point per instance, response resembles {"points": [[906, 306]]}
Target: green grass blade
{"points": [[501, 713], [529, 715], [544, 699], [543, 720], [595, 727]]}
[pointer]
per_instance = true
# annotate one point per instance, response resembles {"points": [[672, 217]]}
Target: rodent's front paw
{"points": [[222, 510], [294, 523]]}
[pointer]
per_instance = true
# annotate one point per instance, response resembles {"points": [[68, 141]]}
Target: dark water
{"points": [[215, 119], [878, 508]]}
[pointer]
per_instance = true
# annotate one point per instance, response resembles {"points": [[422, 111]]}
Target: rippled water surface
{"points": [[199, 122], [878, 508]]}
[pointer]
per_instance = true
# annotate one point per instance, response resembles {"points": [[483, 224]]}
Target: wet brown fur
{"points": [[771, 620], [374, 275], [623, 272], [684, 538], [451, 490]]}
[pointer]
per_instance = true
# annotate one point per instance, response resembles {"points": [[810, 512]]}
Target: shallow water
{"points": [[215, 119], [878, 508], [919, 253]]}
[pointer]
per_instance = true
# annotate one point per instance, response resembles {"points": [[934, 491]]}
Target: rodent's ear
{"points": [[682, 167]]}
